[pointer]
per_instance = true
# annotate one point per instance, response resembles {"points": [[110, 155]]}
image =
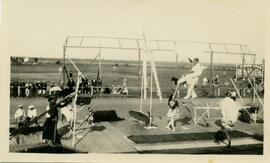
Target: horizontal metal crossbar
{"points": [[138, 44]]}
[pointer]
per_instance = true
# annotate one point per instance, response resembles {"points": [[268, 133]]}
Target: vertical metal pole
{"points": [[99, 64], [140, 76], [253, 90], [74, 108], [236, 76], [151, 96], [64, 64], [212, 67], [139, 68]]}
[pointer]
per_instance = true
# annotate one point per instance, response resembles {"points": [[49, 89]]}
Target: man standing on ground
{"points": [[20, 119]]}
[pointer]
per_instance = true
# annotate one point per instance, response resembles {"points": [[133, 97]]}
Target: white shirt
{"points": [[32, 113], [19, 113], [197, 70]]}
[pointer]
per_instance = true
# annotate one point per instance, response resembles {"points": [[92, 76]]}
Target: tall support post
{"points": [[144, 76], [236, 71], [253, 90], [256, 93], [74, 108], [139, 68], [212, 66], [64, 64], [150, 55], [140, 78], [99, 62], [142, 87], [153, 68], [151, 97]]}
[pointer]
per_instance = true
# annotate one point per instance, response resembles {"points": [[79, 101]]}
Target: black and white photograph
{"points": [[140, 77]]}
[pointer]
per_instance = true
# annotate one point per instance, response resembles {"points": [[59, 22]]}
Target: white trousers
{"points": [[191, 82]]}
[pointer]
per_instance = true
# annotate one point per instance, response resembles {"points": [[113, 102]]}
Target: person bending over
{"points": [[230, 112]]}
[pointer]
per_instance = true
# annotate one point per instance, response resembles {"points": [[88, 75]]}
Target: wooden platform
{"points": [[111, 137], [106, 140]]}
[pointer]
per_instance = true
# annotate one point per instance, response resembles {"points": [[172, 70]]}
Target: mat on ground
{"points": [[167, 138]]}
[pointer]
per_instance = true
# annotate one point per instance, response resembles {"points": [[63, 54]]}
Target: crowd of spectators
{"points": [[44, 88]]}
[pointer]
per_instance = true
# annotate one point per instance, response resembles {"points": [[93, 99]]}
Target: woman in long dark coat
{"points": [[50, 125]]}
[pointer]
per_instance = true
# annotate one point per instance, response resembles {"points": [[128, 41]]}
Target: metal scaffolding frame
{"points": [[138, 45]]}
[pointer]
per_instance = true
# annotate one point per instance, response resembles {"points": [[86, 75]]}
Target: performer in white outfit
{"points": [[230, 112], [191, 78]]}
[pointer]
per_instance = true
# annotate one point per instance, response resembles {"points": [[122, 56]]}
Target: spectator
{"points": [[124, 91], [226, 83], [99, 84], [15, 89], [94, 84], [70, 85], [216, 85], [107, 90], [44, 87], [85, 85], [27, 89], [20, 116], [31, 114], [39, 88], [205, 81], [11, 89], [20, 120], [22, 89], [34, 89]]}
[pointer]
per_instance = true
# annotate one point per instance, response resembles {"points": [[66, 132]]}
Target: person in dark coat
{"points": [[71, 84], [22, 89], [15, 89], [11, 89], [50, 126]]}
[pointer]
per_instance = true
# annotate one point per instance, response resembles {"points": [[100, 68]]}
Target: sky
{"points": [[38, 28]]}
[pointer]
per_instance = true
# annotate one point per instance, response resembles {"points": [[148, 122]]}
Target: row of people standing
{"points": [[85, 87], [28, 89], [41, 88]]}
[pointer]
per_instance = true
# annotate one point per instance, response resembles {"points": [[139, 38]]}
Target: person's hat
{"points": [[20, 106], [30, 106]]}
